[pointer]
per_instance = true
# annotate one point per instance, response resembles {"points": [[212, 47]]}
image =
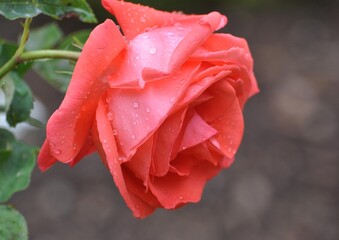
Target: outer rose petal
{"points": [[68, 127], [46, 159], [135, 19], [222, 42], [87, 148], [154, 54], [173, 190], [105, 140]]}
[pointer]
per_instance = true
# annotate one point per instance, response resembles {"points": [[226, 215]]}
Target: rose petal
{"points": [[173, 190], [135, 18], [105, 138], [182, 164], [166, 143], [196, 132], [220, 42], [140, 163], [204, 152], [138, 189], [156, 53], [46, 159], [223, 97], [230, 129], [68, 127], [147, 57], [87, 149], [199, 33], [136, 115]]}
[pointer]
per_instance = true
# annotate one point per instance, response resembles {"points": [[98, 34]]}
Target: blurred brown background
{"points": [[284, 183]]}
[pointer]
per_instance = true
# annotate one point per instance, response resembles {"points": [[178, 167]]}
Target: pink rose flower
{"points": [[162, 105]]}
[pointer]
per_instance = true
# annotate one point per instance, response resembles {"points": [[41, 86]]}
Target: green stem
{"points": [[11, 62], [21, 56], [43, 54]]}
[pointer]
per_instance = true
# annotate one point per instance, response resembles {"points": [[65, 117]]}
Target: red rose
{"points": [[162, 105]]}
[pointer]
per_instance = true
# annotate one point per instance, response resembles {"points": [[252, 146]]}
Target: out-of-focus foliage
{"points": [[56, 72], [13, 9], [17, 161], [12, 224]]}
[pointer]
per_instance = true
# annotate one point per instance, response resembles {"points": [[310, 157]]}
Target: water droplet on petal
{"points": [[133, 136], [115, 132], [142, 19], [179, 27], [152, 50], [172, 99], [135, 104], [148, 109], [56, 151], [110, 116]]}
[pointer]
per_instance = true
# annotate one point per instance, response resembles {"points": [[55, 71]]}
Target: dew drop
{"points": [[115, 132], [230, 149], [135, 104], [148, 109], [182, 81], [142, 19], [110, 116], [56, 151], [152, 50], [172, 99], [179, 27], [133, 136], [105, 141]]}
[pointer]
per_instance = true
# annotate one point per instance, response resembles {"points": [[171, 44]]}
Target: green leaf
{"points": [[19, 99], [12, 224], [44, 37], [13, 9], [7, 50], [6, 142], [58, 72], [17, 161]]}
